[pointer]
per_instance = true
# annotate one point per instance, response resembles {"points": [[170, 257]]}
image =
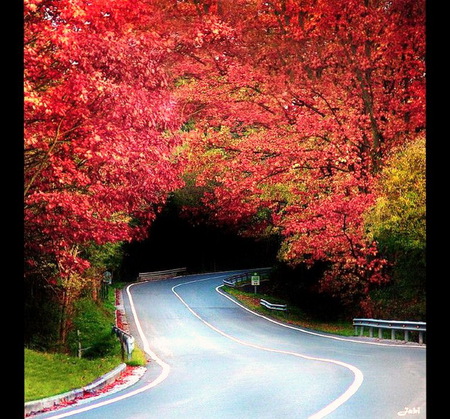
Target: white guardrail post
{"points": [[126, 340], [392, 325]]}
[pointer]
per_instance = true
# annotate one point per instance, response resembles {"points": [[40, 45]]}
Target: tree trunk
{"points": [[63, 320]]}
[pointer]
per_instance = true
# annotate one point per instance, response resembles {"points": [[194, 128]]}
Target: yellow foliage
{"points": [[401, 205]]}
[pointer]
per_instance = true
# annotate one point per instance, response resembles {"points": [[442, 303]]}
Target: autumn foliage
{"points": [[99, 137], [292, 109], [98, 121], [284, 111]]}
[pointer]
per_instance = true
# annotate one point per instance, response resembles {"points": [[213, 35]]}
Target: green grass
{"points": [[294, 315], [138, 358], [49, 374]]}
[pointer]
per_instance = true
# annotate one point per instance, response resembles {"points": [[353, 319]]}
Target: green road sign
{"points": [[255, 278]]}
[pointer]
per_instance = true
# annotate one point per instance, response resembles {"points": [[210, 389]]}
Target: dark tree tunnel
{"points": [[175, 242]]}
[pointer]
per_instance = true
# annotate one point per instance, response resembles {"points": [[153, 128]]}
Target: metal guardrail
{"points": [[244, 278], [280, 307], [126, 340], [393, 325], [155, 275]]}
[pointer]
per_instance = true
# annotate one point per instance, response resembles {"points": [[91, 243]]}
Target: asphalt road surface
{"points": [[212, 359]]}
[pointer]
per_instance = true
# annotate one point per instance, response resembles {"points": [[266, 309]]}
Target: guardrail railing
{"points": [[392, 325], [271, 306], [126, 340], [244, 278], [155, 275]]}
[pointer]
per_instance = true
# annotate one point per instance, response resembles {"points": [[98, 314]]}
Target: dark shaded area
{"points": [[299, 286], [175, 242], [41, 317]]}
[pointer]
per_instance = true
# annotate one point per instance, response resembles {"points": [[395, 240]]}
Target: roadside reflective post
{"points": [[126, 342]]}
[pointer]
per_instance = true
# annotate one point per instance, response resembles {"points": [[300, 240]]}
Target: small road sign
{"points": [[255, 278]]}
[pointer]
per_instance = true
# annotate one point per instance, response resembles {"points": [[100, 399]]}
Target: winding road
{"points": [[212, 359]]}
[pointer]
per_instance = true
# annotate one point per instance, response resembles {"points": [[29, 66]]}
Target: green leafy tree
{"points": [[398, 223]]}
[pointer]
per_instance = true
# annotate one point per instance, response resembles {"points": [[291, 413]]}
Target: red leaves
{"points": [[289, 110], [128, 376], [296, 117], [97, 146]]}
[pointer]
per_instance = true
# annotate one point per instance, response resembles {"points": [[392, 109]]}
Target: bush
{"points": [[94, 324]]}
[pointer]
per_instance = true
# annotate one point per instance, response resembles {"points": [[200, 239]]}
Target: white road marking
{"points": [[352, 389], [164, 373], [358, 376], [310, 332]]}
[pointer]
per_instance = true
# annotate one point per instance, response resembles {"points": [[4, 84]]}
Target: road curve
{"points": [[213, 359]]}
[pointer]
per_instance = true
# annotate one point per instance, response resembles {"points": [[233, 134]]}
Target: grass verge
{"points": [[294, 315], [49, 374]]}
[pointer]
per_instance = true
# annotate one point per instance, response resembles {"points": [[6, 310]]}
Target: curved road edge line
{"points": [[310, 332], [165, 367], [164, 373], [351, 390]]}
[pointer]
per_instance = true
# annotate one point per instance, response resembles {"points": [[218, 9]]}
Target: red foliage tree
{"points": [[292, 109], [98, 115], [289, 110]]}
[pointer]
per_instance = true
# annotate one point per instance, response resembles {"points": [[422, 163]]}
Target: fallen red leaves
{"points": [[121, 320], [122, 323], [121, 379]]}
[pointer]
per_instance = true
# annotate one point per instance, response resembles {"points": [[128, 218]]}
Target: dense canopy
{"points": [[282, 113]]}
